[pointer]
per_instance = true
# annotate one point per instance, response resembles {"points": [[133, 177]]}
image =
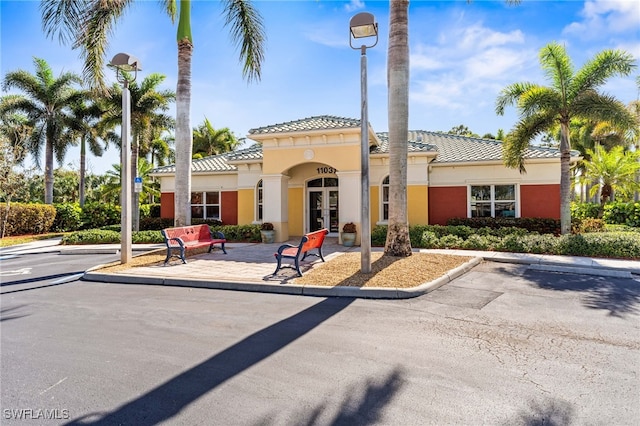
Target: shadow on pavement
{"points": [[361, 405], [169, 398], [617, 295], [10, 313], [552, 412]]}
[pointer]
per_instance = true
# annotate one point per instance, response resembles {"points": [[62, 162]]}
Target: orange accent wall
{"points": [[446, 203], [540, 201], [167, 205], [229, 207]]}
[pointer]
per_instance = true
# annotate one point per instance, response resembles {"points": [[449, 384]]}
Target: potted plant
{"points": [[349, 234], [267, 233]]}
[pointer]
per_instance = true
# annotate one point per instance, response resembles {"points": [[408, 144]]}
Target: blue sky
{"points": [[462, 55]]}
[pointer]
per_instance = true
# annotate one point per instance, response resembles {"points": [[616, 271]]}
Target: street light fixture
{"points": [[364, 25], [124, 62]]}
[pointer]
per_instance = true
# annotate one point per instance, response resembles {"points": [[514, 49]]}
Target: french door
{"points": [[322, 206]]}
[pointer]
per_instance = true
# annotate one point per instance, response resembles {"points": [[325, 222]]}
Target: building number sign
{"points": [[329, 170]]}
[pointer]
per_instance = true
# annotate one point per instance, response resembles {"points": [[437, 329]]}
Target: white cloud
{"points": [[466, 67], [354, 5], [602, 17]]}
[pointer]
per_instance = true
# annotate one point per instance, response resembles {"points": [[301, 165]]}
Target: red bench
{"points": [[310, 241], [183, 238]]}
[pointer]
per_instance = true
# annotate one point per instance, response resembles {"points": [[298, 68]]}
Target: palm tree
{"points": [[111, 188], [398, 242], [571, 94], [87, 26], [148, 104], [160, 151], [209, 141], [86, 115], [612, 172], [46, 105]]}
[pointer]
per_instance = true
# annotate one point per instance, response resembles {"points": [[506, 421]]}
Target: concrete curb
{"points": [[548, 267], [306, 290]]}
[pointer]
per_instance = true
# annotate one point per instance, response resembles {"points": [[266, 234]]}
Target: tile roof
{"points": [[460, 149], [217, 163], [321, 122], [449, 148]]}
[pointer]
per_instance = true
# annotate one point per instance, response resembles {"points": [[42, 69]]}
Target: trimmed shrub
{"points": [[147, 237], [92, 236], [155, 223], [68, 217], [249, 233], [532, 224], [590, 225], [622, 213], [154, 210], [97, 215], [583, 211], [27, 219], [379, 236]]}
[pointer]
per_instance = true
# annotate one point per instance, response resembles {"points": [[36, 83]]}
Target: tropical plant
{"points": [[612, 173], [148, 104], [46, 104], [86, 114], [87, 25], [209, 141], [111, 189], [571, 94]]}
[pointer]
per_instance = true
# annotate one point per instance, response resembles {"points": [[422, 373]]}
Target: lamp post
{"points": [[124, 62], [364, 25]]}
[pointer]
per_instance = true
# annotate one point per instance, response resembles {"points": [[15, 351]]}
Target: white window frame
{"points": [[259, 201], [384, 185], [206, 205], [492, 199]]}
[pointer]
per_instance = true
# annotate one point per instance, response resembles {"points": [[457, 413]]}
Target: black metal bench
{"points": [[183, 238], [310, 241]]}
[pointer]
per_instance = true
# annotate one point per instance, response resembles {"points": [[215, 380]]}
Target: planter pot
{"points": [[268, 237], [348, 239]]}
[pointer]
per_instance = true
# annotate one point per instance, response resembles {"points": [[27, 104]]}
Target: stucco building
{"points": [[304, 175]]}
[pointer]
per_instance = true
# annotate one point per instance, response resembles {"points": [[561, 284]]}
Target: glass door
{"points": [[323, 209]]}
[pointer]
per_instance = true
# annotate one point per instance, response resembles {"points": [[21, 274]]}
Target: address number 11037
{"points": [[326, 170]]}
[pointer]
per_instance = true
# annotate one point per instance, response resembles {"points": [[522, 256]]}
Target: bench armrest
{"points": [[284, 247], [178, 240], [217, 235]]}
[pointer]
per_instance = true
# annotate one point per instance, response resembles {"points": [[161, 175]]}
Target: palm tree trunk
{"points": [[48, 170], [83, 159], [184, 135], [398, 242], [565, 178]]}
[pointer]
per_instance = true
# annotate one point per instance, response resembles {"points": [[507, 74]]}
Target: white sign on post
{"points": [[137, 184]]}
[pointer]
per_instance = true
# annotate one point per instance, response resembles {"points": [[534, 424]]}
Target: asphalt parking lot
{"points": [[502, 344]]}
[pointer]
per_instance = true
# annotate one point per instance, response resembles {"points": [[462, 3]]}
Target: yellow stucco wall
{"points": [[295, 211], [417, 204], [374, 205], [339, 157], [246, 199]]}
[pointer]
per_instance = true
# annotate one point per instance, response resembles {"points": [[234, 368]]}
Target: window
{"points": [[259, 201], [385, 199], [493, 201], [205, 205]]}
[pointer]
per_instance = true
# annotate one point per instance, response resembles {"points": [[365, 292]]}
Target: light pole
{"points": [[124, 62], [364, 25]]}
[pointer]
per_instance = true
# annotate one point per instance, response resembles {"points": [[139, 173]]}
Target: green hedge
{"points": [[105, 236], [27, 219], [68, 217], [622, 214], [598, 244], [532, 224]]}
